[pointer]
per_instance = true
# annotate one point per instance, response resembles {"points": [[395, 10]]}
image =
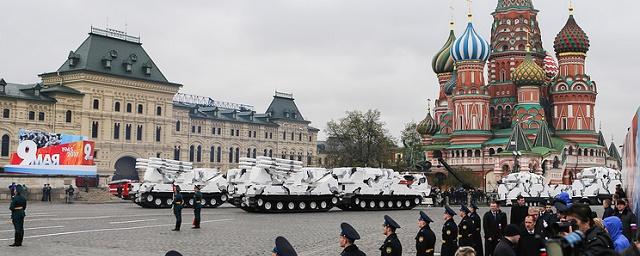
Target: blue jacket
{"points": [[613, 225]]}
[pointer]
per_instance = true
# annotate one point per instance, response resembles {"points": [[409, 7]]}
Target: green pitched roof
{"points": [[497, 141], [613, 151], [94, 52], [518, 141], [601, 140], [283, 107], [543, 138]]}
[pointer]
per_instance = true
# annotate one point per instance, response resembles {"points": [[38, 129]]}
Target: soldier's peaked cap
{"points": [[474, 206], [424, 217], [173, 253], [465, 209], [388, 221], [449, 211], [283, 247], [349, 232]]}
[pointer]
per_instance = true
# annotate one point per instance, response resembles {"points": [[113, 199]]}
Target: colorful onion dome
{"points": [[470, 46], [428, 126], [528, 73], [571, 38], [442, 61], [450, 85], [513, 4], [550, 66]]}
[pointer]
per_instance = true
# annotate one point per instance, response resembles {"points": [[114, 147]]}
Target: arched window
{"points": [[139, 133], [212, 155], [230, 155], [499, 150], [158, 111], [176, 153], [476, 153], [94, 129], [237, 155], [140, 109], [158, 133], [579, 151], [492, 151], [219, 155], [570, 150], [199, 154], [178, 126], [116, 106], [469, 153], [68, 116], [248, 152], [191, 153], [96, 104], [127, 132], [592, 152], [265, 153], [5, 113], [270, 153], [129, 108], [254, 153], [5, 145], [116, 131]]}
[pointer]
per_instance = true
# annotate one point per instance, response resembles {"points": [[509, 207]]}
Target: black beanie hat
{"points": [[511, 230]]}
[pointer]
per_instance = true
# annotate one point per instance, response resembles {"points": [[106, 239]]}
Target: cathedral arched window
{"points": [[4, 151], [492, 151]]}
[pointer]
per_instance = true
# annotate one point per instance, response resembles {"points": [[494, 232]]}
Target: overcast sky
{"points": [[333, 55]]}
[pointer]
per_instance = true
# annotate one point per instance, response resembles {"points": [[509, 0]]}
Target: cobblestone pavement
{"points": [[126, 229]]}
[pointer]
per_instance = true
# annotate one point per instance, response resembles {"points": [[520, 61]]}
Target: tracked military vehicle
{"points": [[160, 176], [529, 185], [366, 189], [275, 185], [595, 184]]}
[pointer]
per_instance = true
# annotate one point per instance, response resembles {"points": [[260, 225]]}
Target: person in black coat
{"points": [[477, 223], [178, 202], [596, 240], [627, 217], [608, 209], [545, 221], [391, 245], [519, 211], [425, 239], [348, 235], [507, 245], [465, 228], [449, 234], [530, 241], [283, 248], [493, 223]]}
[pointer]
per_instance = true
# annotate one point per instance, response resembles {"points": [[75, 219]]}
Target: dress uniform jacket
{"points": [[449, 238], [465, 232], [352, 250], [477, 237], [391, 246], [425, 242], [18, 206], [197, 206]]}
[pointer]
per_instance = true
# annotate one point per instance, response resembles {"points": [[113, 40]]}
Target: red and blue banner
{"points": [[52, 154]]}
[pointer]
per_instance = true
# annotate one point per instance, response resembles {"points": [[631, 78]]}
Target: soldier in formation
{"points": [[283, 248], [465, 228], [477, 223], [18, 207], [449, 234], [425, 239], [197, 206], [391, 245], [178, 202], [348, 235]]}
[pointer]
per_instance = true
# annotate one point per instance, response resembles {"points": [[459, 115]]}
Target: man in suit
{"points": [[530, 241], [519, 211], [493, 222]]}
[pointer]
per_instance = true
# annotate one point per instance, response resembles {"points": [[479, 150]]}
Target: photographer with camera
{"points": [[580, 235]]}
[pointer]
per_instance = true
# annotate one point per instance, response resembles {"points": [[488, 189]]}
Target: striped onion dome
{"points": [[571, 38], [513, 4], [450, 85], [442, 61], [528, 73], [428, 126], [550, 66], [470, 46]]}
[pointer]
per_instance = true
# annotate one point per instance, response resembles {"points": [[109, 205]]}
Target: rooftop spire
{"points": [[469, 13], [451, 19], [571, 7]]}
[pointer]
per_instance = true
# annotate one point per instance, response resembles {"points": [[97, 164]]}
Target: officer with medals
{"points": [[197, 205], [348, 235], [391, 245], [465, 228], [283, 248], [477, 223], [18, 206], [178, 202], [449, 233], [426, 239]]}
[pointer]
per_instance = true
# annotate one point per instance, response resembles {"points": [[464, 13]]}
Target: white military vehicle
{"points": [[529, 185], [596, 183], [160, 176]]}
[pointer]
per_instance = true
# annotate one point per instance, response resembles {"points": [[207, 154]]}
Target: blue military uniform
{"points": [[465, 228], [352, 235], [18, 207], [283, 247], [449, 235], [477, 237], [197, 206], [391, 245], [425, 239], [178, 202]]}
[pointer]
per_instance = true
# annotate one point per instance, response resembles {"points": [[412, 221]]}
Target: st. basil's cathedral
{"points": [[532, 110]]}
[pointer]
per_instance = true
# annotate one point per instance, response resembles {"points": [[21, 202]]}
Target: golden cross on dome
{"points": [[469, 13], [428, 105], [571, 7], [451, 12]]}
